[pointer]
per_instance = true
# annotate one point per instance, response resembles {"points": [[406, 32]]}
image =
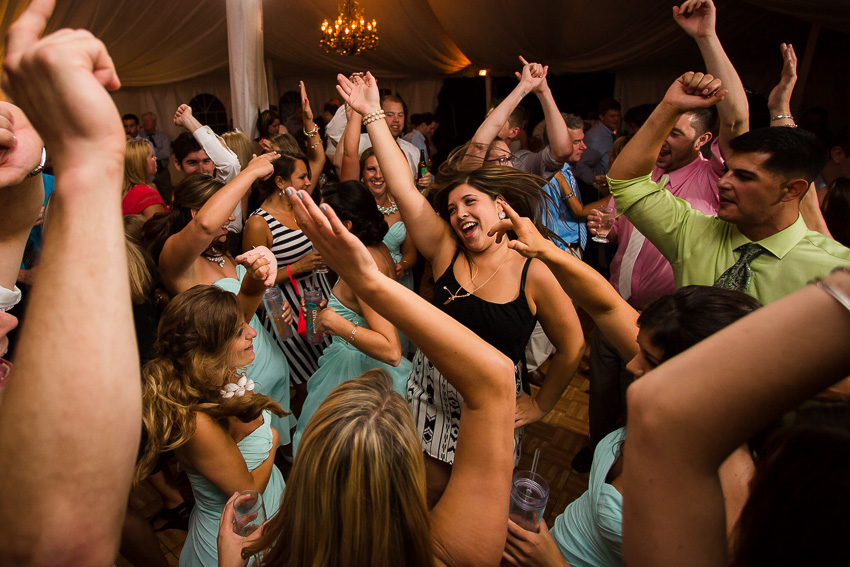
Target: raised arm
{"points": [[585, 286], [261, 267], [532, 76], [431, 234], [560, 141], [469, 523], [21, 195], [315, 149], [182, 249], [690, 91], [225, 160], [673, 509], [779, 100], [350, 165], [69, 425], [697, 18]]}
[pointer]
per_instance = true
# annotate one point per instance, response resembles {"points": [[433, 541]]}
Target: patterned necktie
{"points": [[738, 276]]}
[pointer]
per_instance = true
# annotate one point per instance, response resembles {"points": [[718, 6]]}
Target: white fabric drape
{"points": [[163, 42], [248, 86]]}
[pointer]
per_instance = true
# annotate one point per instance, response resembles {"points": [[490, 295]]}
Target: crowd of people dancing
{"points": [[265, 315]]}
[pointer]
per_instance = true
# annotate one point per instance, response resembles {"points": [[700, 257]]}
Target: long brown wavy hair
{"points": [[522, 191], [191, 365], [189, 195], [356, 493]]}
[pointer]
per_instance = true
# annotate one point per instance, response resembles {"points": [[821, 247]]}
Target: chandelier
{"points": [[350, 33]]}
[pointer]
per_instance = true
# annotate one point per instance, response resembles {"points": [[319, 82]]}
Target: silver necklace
{"points": [[393, 208], [215, 259]]}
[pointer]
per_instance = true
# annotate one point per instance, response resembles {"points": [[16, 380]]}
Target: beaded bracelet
{"points": [[312, 132], [782, 117], [374, 117], [353, 332], [371, 114]]}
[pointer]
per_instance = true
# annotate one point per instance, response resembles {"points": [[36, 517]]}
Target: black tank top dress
{"points": [[435, 403]]}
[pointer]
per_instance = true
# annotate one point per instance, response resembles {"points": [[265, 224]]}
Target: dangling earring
{"points": [[502, 215]]}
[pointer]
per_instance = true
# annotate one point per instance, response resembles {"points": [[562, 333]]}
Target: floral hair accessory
{"points": [[238, 389]]}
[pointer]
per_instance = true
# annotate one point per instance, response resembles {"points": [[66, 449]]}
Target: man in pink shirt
{"points": [[639, 271]]}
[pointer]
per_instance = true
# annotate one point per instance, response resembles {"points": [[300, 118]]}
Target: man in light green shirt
{"points": [[769, 172]]}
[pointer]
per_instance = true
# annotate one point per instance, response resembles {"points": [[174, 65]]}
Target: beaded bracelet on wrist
{"points": [[374, 117], [313, 132]]}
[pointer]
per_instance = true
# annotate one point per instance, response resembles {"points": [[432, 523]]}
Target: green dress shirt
{"points": [[701, 247]]}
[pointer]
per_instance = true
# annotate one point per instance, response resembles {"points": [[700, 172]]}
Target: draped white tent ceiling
{"points": [[164, 47]]}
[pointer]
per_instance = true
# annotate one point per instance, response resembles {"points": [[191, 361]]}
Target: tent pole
{"points": [[248, 86]]}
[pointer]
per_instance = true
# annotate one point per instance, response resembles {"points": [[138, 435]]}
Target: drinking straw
{"points": [[536, 459]]}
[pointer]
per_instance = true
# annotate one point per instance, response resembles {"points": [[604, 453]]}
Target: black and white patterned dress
{"points": [[289, 246], [436, 404]]}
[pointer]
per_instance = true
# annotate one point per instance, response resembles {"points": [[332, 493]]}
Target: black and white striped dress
{"points": [[289, 246]]}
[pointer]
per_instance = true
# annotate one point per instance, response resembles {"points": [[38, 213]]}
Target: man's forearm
{"points": [[733, 111], [639, 155], [560, 141], [489, 129]]}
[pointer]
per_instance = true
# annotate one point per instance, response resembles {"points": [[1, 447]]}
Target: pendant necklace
{"points": [[459, 295], [214, 256], [389, 210]]}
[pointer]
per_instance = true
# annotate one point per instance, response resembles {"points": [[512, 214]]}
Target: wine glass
{"points": [[604, 224]]}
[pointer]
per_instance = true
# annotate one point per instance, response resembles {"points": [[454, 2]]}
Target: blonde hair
{"points": [[141, 270], [356, 493], [241, 145], [193, 343], [135, 163], [286, 142]]}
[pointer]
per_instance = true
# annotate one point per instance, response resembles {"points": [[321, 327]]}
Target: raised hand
{"points": [[694, 90], [261, 264], [261, 166], [779, 99], [305, 102], [20, 145], [342, 251], [182, 115], [60, 83], [696, 17], [360, 91], [533, 74], [530, 243]]}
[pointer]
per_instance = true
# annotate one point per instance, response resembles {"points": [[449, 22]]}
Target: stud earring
{"points": [[502, 215]]}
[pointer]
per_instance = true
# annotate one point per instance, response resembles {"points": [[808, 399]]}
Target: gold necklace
{"points": [[459, 295]]}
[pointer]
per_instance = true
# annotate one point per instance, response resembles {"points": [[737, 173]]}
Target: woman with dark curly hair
{"points": [[362, 339]]}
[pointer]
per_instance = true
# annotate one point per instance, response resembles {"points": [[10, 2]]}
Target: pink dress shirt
{"points": [[652, 275]]}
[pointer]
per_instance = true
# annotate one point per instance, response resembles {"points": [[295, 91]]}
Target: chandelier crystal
{"points": [[350, 33]]}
